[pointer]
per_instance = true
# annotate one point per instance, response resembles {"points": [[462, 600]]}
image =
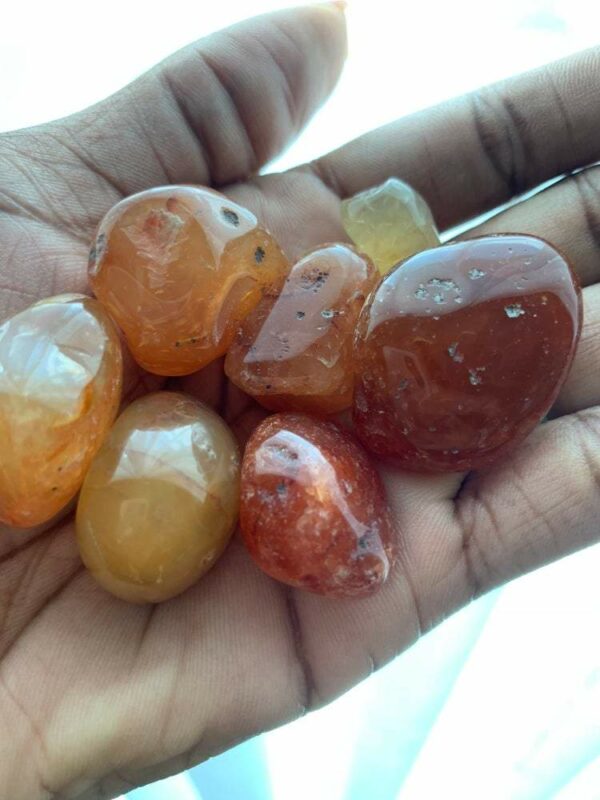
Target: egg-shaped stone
{"points": [[60, 388], [178, 268], [462, 349], [294, 351], [160, 500], [313, 510]]}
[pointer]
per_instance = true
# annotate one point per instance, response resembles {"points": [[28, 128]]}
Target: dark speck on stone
{"points": [[314, 280], [259, 255], [281, 489], [230, 216], [97, 249], [300, 314]]}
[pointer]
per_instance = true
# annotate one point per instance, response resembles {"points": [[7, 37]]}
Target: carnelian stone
{"points": [[462, 350], [313, 510], [161, 498], [294, 352], [178, 268], [60, 387]]}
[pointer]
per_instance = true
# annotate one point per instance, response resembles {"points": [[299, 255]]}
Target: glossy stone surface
{"points": [[294, 352], [60, 387], [178, 268], [313, 511], [462, 350], [160, 500], [389, 223]]}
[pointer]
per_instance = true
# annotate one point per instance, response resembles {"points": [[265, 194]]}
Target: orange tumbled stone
{"points": [[60, 387], [160, 500], [178, 268], [294, 351], [313, 511], [462, 350]]}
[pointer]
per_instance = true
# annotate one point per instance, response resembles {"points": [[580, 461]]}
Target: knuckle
{"points": [[503, 134]]}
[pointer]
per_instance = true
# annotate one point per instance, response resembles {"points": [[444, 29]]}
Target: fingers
{"points": [[542, 501], [218, 110], [582, 387], [476, 152], [567, 214], [533, 508]]}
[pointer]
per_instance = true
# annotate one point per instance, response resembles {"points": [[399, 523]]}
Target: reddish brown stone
{"points": [[462, 350], [313, 510], [294, 351]]}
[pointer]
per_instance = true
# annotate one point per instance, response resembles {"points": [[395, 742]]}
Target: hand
{"points": [[97, 696]]}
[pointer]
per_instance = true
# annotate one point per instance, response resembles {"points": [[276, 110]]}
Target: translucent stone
{"points": [[462, 350], [178, 268], [60, 388], [294, 351], [389, 223], [160, 500], [313, 510]]}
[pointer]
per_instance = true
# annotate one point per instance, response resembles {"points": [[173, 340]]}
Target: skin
{"points": [[98, 696]]}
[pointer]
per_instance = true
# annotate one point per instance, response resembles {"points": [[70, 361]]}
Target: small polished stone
{"points": [[60, 388], [462, 350], [389, 223], [313, 511], [294, 351], [178, 268], [161, 499]]}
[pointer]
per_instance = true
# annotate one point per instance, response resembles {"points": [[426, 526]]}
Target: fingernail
{"points": [[334, 5]]}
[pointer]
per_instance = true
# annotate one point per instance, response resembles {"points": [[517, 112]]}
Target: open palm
{"points": [[96, 695]]}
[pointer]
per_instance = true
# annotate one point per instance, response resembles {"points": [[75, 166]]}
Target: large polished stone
{"points": [[462, 350]]}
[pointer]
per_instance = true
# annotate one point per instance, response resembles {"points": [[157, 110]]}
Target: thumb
{"points": [[216, 111]]}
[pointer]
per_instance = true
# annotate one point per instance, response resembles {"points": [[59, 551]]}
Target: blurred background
{"points": [[502, 701]]}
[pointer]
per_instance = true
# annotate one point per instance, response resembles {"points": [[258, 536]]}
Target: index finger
{"points": [[472, 153]]}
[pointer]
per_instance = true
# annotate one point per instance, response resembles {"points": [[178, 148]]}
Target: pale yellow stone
{"points": [[389, 223], [160, 500]]}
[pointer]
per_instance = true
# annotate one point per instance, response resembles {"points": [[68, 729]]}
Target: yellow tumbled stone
{"points": [[389, 223], [160, 500]]}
